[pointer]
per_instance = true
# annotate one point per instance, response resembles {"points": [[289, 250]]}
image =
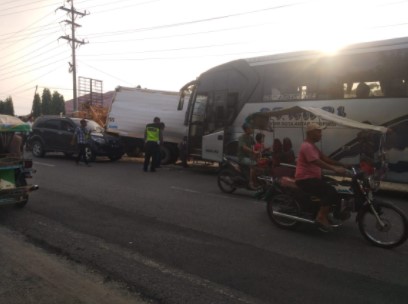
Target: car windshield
{"points": [[91, 125]]}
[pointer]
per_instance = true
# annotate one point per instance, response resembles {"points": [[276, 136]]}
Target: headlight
{"points": [[98, 139]]}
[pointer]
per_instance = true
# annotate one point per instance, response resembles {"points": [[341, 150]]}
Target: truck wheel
{"points": [[166, 155], [174, 154]]}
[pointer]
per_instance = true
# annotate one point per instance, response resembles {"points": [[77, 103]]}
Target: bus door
{"points": [[209, 115]]}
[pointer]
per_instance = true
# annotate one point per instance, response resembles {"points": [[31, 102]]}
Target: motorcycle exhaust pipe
{"points": [[292, 217], [33, 188]]}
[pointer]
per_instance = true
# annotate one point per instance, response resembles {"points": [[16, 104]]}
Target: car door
{"points": [[66, 134], [50, 134]]}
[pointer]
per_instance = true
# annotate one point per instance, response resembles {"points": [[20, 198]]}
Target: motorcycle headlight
{"points": [[98, 139]]}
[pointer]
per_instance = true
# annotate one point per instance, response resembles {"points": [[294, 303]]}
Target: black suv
{"points": [[54, 134]]}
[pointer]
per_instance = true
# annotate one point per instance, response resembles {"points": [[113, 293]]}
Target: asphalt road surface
{"points": [[113, 233]]}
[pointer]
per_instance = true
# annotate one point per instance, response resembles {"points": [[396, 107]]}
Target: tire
{"points": [[392, 234], [21, 182], [89, 154], [38, 148], [166, 155], [134, 151], [113, 158], [283, 203], [174, 154], [225, 182], [22, 203]]}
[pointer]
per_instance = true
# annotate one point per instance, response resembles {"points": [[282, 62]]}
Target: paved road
{"points": [[172, 237]]}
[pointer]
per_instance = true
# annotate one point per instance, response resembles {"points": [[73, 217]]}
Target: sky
{"points": [[163, 44]]}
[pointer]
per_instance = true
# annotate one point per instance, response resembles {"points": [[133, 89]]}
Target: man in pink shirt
{"points": [[308, 174]]}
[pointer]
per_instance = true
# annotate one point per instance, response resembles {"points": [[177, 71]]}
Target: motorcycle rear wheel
{"points": [[225, 181], [394, 230], [284, 204]]}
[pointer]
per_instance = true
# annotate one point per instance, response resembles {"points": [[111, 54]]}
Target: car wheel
{"points": [[68, 154], [38, 148], [115, 157], [89, 154]]}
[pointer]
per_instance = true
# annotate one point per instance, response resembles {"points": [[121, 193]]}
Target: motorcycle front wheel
{"points": [[225, 181], [388, 232], [280, 205]]}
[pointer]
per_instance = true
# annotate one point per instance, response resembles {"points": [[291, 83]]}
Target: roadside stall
{"points": [[14, 169]]}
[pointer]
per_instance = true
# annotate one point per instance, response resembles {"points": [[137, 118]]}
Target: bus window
{"points": [[395, 88], [200, 107], [181, 103], [363, 89]]}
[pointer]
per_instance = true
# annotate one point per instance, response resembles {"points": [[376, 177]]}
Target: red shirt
{"points": [[305, 168], [259, 147]]}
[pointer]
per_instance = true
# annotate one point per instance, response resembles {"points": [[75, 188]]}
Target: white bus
{"points": [[367, 82]]}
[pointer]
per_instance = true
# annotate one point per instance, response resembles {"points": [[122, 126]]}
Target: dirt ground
{"points": [[31, 275]]}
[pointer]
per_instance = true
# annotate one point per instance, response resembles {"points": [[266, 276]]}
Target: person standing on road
{"points": [[153, 138], [81, 136]]}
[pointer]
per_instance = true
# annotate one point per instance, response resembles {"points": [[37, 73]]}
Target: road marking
{"points": [[43, 164]]}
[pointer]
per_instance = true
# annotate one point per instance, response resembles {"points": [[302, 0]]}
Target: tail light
{"points": [[28, 163]]}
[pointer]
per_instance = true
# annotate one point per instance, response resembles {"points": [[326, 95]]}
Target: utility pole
{"points": [[74, 43]]}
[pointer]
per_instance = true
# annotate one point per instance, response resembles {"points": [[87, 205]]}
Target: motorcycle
{"points": [[14, 171], [233, 175], [381, 223]]}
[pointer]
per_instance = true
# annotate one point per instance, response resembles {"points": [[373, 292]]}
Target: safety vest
{"points": [[152, 133]]}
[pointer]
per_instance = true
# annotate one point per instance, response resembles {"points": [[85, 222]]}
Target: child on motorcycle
{"points": [[246, 154]]}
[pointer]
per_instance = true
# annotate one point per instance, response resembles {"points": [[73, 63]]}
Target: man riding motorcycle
{"points": [[308, 174]]}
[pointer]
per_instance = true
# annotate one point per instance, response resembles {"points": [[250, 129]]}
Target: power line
{"points": [[25, 4], [104, 72], [26, 10], [185, 34], [193, 21], [27, 33], [27, 71], [164, 50], [29, 37], [31, 81], [26, 66]]}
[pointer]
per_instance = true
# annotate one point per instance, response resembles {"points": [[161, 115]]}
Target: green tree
{"points": [[57, 104], [6, 107], [46, 102], [36, 109]]}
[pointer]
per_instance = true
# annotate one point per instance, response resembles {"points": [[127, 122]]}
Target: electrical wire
{"points": [[92, 67]]}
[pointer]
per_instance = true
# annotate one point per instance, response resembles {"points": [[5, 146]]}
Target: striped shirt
{"points": [[82, 135]]}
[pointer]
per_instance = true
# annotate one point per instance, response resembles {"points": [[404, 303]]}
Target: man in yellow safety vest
{"points": [[153, 138]]}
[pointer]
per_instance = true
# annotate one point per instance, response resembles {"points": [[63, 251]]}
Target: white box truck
{"points": [[133, 108]]}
